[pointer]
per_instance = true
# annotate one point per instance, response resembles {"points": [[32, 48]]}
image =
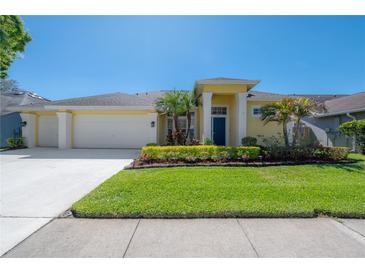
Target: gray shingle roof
{"points": [[110, 99], [321, 98], [331, 103], [19, 99], [117, 99], [261, 95], [345, 104]]}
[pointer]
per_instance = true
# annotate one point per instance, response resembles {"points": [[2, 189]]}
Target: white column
{"points": [[153, 125], [207, 115], [29, 130], [241, 119], [64, 130]]}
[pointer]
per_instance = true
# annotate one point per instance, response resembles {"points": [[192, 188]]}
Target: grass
{"points": [[280, 191]]}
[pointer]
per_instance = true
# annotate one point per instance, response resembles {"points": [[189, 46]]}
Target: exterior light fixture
{"points": [[153, 124], [23, 123]]}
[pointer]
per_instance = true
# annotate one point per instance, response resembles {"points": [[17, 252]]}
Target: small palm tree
{"points": [[188, 103], [302, 107], [171, 104], [280, 112]]}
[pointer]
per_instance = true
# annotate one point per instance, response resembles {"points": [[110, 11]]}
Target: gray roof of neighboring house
{"points": [[320, 98], [351, 103], [19, 98], [265, 96]]}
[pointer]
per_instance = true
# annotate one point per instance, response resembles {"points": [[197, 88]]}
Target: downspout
{"points": [[353, 138]]}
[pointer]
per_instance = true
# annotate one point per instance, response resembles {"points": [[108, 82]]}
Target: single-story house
{"points": [[228, 111], [324, 125], [10, 121]]}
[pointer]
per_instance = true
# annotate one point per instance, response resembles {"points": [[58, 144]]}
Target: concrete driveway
{"points": [[39, 184]]}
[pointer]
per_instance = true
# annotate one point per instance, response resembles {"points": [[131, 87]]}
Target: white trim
{"points": [[64, 130], [54, 107], [59, 107], [227, 122], [207, 116], [241, 119]]}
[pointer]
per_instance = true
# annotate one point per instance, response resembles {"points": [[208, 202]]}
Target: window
{"points": [[256, 111], [219, 110], [182, 124]]}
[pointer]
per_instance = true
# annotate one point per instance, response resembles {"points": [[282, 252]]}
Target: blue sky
{"points": [[87, 55]]}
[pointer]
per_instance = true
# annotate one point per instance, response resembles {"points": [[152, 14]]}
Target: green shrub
{"points": [[198, 153], [305, 153], [249, 141], [208, 142], [151, 145], [355, 129], [15, 142]]}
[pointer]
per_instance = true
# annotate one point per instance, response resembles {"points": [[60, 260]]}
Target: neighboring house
{"points": [[228, 111], [324, 125], [10, 121]]}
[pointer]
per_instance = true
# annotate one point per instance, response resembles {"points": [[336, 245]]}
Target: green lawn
{"points": [[296, 191]]}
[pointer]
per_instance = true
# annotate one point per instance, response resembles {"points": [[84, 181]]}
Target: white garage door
{"points": [[47, 131], [111, 131]]}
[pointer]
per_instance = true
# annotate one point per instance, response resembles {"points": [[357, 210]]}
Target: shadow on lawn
{"points": [[358, 166]]}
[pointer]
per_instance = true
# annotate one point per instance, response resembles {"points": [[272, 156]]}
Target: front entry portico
{"points": [[228, 92]]}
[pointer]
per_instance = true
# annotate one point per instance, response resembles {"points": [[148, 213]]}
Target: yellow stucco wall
{"points": [[161, 122], [256, 128]]}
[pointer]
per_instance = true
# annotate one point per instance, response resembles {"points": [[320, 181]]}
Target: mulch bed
{"points": [[137, 164]]}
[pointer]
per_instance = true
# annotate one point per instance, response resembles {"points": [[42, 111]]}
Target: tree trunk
{"points": [[285, 133], [188, 118], [175, 127]]}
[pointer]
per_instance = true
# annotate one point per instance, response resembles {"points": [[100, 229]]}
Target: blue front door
{"points": [[219, 131]]}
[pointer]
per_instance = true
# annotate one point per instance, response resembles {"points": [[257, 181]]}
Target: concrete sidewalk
{"points": [[320, 237]]}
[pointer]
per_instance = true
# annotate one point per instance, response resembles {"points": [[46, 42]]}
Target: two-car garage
{"points": [[113, 120], [99, 130]]}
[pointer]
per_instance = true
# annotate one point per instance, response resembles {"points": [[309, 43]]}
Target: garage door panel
{"points": [[111, 131], [48, 131]]}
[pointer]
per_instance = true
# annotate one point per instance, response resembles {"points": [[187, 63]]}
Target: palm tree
{"points": [[171, 104], [280, 112], [188, 103], [302, 107]]}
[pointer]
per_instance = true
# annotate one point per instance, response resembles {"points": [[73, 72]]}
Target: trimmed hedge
{"points": [[199, 153], [306, 153]]}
